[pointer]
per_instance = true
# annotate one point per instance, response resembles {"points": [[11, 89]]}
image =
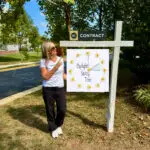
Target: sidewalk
{"points": [[18, 64]]}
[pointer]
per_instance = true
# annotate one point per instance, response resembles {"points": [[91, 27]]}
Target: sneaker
{"points": [[55, 133], [59, 130]]}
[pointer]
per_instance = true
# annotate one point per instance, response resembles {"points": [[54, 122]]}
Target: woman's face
{"points": [[52, 51]]}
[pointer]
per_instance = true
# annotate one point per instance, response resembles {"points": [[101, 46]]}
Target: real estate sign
{"points": [[87, 70]]}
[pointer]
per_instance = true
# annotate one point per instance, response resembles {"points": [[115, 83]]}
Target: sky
{"points": [[33, 10]]}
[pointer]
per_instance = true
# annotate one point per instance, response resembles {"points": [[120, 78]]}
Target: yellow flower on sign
{"points": [[89, 69], [72, 79], [102, 79], [77, 55], [79, 85], [71, 61], [102, 62], [70, 71], [87, 53], [88, 86], [97, 85], [104, 70], [97, 55]]}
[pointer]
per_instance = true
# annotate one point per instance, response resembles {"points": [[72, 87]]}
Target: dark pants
{"points": [[50, 96]]}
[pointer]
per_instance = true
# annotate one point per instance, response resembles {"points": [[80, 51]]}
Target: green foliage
{"points": [[17, 7], [14, 30], [19, 29], [69, 1], [62, 17], [24, 52], [136, 27], [55, 15], [59, 33], [142, 96], [34, 37], [37, 50]]}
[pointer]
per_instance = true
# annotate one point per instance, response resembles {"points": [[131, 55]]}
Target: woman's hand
{"points": [[59, 63], [48, 74], [64, 76]]}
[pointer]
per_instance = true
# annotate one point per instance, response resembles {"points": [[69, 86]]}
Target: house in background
{"points": [[15, 47]]}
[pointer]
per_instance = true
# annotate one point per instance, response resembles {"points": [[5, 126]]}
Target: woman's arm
{"points": [[48, 74], [65, 76]]}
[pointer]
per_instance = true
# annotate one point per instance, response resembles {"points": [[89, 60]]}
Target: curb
{"points": [[20, 64], [18, 67], [19, 95]]}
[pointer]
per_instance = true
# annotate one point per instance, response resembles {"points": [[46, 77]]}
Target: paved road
{"points": [[14, 81]]}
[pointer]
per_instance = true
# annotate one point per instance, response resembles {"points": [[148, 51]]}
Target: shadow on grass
{"points": [[87, 96], [7, 59], [98, 100], [28, 116], [87, 121]]}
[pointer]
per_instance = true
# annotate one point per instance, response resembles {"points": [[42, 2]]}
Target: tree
{"points": [[34, 38], [17, 6], [57, 14], [22, 28], [10, 22], [136, 26], [63, 17], [19, 29]]}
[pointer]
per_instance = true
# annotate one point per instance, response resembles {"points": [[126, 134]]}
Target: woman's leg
{"points": [[49, 105], [61, 106]]}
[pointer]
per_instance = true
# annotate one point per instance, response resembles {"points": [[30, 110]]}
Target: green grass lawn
{"points": [[23, 125], [18, 57]]}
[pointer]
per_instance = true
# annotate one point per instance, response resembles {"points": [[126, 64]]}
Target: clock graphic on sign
{"points": [[87, 70]]}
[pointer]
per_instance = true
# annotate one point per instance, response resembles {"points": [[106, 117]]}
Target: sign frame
{"points": [[116, 44]]}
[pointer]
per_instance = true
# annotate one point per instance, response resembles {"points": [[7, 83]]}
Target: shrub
{"points": [[24, 52], [142, 96]]}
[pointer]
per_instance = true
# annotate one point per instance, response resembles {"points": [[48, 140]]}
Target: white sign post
{"points": [[117, 43]]}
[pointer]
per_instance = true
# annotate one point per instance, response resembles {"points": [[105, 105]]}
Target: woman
{"points": [[52, 71]]}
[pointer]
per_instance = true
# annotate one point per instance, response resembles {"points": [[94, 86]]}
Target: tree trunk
{"points": [[100, 17], [67, 13]]}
